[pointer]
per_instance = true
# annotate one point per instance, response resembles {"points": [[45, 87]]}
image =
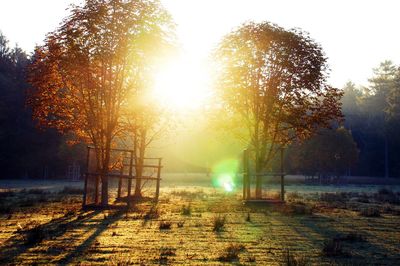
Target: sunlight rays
{"points": [[182, 84]]}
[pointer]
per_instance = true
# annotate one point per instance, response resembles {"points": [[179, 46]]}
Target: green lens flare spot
{"points": [[224, 174]]}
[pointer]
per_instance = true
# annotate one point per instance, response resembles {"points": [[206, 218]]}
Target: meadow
{"points": [[43, 223]]}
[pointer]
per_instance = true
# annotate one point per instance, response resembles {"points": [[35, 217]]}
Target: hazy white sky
{"points": [[356, 35]]}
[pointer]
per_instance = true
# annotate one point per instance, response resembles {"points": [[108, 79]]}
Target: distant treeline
{"points": [[367, 145], [369, 142], [26, 151]]}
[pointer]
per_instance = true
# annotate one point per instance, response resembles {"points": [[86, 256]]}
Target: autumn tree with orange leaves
{"points": [[84, 75], [273, 82]]}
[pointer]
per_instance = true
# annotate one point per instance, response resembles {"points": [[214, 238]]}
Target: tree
{"points": [[376, 105], [88, 67], [330, 152], [275, 80]]}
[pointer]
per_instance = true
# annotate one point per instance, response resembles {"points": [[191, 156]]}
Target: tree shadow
{"points": [[317, 230], [101, 227], [26, 240]]}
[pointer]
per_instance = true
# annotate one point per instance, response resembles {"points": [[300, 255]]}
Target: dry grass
{"points": [[231, 253], [219, 223], [50, 228]]}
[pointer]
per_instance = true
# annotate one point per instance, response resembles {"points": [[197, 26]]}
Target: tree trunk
{"points": [[139, 167], [258, 168], [104, 173], [386, 158]]}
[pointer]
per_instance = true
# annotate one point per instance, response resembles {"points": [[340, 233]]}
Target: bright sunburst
{"points": [[182, 84]]}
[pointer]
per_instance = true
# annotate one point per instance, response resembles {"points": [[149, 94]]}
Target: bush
{"points": [[186, 210], [350, 237], [34, 236], [248, 218], [332, 248], [387, 195], [71, 191], [37, 191], [165, 225], [290, 260], [332, 197], [6, 194], [5, 209], [218, 223], [385, 191], [231, 253], [370, 212], [153, 213], [180, 224], [297, 208], [167, 251], [291, 196]]}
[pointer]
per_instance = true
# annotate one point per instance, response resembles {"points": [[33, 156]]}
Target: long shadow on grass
{"points": [[25, 240], [100, 227], [314, 227]]}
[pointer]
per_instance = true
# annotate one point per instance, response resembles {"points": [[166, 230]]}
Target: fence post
{"points": [[85, 191], [84, 200], [246, 175], [120, 178], [130, 180], [282, 178], [158, 179]]}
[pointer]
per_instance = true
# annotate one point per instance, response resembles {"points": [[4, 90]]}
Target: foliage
{"points": [[87, 69], [274, 81], [371, 115], [24, 150], [331, 152]]}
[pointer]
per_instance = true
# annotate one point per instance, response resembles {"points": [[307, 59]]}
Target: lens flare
{"points": [[225, 173], [226, 182]]}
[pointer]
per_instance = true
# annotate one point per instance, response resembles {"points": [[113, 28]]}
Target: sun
{"points": [[182, 84]]}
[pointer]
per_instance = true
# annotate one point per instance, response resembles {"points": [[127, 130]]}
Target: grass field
{"points": [[199, 225]]}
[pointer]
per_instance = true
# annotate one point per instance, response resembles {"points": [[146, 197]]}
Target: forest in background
{"points": [[367, 144]]}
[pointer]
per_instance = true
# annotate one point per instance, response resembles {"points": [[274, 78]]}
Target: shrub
{"points": [[167, 251], [6, 193], [291, 196], [186, 210], [165, 225], [231, 253], [153, 213], [290, 260], [180, 224], [5, 209], [248, 218], [28, 202], [370, 212], [34, 235], [384, 191], [71, 191], [350, 237], [332, 197], [332, 248], [297, 208], [218, 223], [37, 191], [387, 195]]}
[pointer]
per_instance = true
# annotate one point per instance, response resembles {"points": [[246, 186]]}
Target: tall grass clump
{"points": [[219, 223], [231, 253]]}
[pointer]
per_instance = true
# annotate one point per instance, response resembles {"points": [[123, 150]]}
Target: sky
{"points": [[355, 35]]}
